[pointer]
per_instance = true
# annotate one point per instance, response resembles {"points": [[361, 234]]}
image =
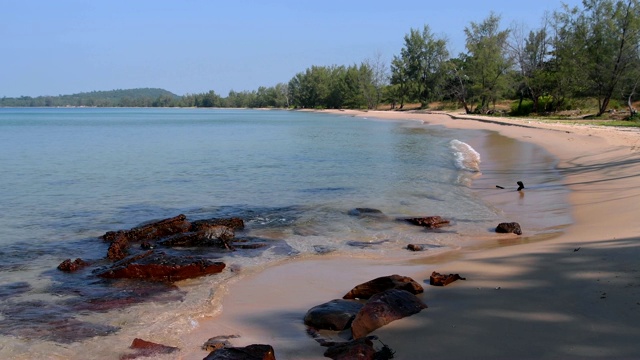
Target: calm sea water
{"points": [[70, 175]]}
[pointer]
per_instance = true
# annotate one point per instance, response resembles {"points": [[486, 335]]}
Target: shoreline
{"points": [[574, 296]]}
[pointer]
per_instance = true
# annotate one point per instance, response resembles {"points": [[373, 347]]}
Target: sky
{"points": [[193, 46]]}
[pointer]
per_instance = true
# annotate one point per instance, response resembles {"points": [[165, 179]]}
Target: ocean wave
{"points": [[467, 158]]}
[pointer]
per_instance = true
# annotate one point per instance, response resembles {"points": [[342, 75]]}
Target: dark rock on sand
{"points": [[415, 247], [370, 288], [507, 228], [437, 279], [356, 349], [430, 222], [251, 352], [71, 266], [157, 266], [147, 349], [384, 308], [334, 315]]}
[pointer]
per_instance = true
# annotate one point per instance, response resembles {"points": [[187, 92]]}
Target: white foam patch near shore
{"points": [[467, 158]]}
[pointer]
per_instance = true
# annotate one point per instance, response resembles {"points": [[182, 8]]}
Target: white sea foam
{"points": [[467, 158]]}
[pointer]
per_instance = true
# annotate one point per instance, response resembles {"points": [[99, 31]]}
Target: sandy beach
{"points": [[575, 296]]}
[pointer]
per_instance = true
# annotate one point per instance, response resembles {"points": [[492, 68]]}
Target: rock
{"points": [[366, 244], [415, 247], [437, 279], [251, 352], [147, 349], [118, 247], [361, 349], [120, 240], [334, 315], [208, 235], [233, 223], [157, 266], [155, 230], [430, 222], [69, 266], [366, 212], [218, 342], [507, 228], [370, 288], [383, 308]]}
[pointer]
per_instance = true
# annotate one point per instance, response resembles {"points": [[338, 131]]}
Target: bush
{"points": [[523, 108]]}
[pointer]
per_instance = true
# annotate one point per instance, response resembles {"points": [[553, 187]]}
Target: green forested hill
{"points": [[114, 98]]}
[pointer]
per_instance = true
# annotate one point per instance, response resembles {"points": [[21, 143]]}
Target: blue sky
{"points": [[193, 46]]}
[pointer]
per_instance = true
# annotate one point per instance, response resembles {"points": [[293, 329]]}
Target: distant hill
{"points": [[144, 97]]}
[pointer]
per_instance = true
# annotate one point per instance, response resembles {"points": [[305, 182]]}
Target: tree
{"points": [[375, 84], [400, 82], [457, 82], [487, 62], [423, 55], [611, 45], [531, 54]]}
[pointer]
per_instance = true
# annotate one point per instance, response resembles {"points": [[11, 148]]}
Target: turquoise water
{"points": [[70, 175]]}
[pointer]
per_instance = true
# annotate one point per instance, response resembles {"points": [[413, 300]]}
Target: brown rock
{"points": [[71, 266], [157, 266], [431, 222], [118, 247], [334, 315], [361, 349], [155, 230], [384, 308], [370, 288], [208, 235], [415, 247], [233, 223], [147, 349], [507, 228], [218, 342], [251, 352], [437, 279]]}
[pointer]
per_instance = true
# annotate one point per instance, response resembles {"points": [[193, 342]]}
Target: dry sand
{"points": [[576, 296]]}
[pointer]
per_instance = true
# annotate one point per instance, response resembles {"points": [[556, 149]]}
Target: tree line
{"points": [[587, 51]]}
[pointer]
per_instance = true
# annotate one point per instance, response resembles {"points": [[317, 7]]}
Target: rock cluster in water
{"points": [[141, 252]]}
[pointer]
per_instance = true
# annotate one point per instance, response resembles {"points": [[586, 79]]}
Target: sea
{"points": [[306, 184]]}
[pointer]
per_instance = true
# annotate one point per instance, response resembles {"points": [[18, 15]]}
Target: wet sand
{"points": [[576, 295]]}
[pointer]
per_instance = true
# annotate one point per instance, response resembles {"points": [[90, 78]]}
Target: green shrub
{"points": [[523, 108]]}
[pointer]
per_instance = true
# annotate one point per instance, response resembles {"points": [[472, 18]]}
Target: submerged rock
{"points": [[437, 279], [507, 228], [147, 349], [251, 352], [383, 308], [233, 223], [361, 349], [71, 266], [370, 288], [334, 315], [415, 247], [430, 222], [218, 342], [120, 240], [366, 212], [207, 235], [154, 230], [157, 266]]}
